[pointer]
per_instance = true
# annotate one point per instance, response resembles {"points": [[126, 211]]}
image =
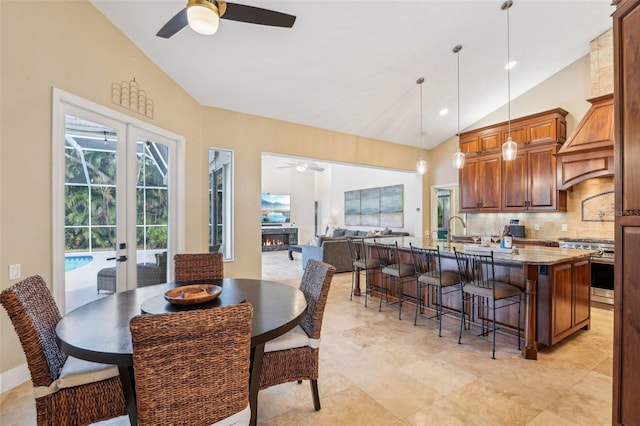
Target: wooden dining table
{"points": [[99, 331]]}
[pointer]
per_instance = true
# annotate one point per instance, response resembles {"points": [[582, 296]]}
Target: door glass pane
{"points": [[152, 211], [90, 209]]}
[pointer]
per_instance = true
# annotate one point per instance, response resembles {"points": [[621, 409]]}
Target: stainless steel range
{"points": [[601, 266]]}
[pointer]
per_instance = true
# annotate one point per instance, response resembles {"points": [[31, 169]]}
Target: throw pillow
{"points": [[386, 231], [338, 232], [350, 233], [330, 232]]}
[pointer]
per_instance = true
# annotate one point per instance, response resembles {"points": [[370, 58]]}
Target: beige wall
{"points": [[71, 46]]}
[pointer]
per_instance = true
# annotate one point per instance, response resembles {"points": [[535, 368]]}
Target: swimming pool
{"points": [[74, 262]]}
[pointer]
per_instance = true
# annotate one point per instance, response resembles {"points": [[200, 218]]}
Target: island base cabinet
{"points": [[563, 299]]}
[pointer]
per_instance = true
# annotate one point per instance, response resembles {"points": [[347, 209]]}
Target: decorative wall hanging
{"points": [[381, 206], [598, 208], [128, 94]]}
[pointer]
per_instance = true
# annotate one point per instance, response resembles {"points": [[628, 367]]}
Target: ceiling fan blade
{"points": [[256, 15], [174, 25], [317, 168]]}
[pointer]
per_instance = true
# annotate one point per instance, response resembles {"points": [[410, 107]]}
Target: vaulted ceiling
{"points": [[351, 66]]}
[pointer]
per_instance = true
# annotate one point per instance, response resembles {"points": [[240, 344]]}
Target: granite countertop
{"points": [[544, 241], [537, 255]]}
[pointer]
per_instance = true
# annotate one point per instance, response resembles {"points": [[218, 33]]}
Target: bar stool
{"points": [[362, 262], [427, 265], [481, 291], [392, 267]]}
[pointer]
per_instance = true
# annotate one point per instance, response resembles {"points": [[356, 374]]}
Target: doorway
{"points": [[445, 203], [114, 197]]}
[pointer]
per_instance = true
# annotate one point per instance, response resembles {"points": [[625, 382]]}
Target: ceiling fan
{"points": [[203, 17], [301, 166]]}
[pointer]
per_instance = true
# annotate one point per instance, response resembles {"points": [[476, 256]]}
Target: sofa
{"points": [[334, 249]]}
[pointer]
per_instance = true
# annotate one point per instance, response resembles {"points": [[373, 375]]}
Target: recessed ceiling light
{"points": [[511, 65], [444, 111]]}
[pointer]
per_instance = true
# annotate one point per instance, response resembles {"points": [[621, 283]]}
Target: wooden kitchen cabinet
{"points": [[563, 299], [541, 128], [486, 141], [469, 144], [530, 182], [626, 95], [518, 134], [480, 184], [547, 129]]}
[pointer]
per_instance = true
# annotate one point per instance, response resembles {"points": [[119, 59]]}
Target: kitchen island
{"points": [[556, 283]]}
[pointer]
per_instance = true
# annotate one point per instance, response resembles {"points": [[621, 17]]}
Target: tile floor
{"points": [[378, 370]]}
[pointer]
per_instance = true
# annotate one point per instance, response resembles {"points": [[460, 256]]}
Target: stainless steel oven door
{"points": [[602, 280]]}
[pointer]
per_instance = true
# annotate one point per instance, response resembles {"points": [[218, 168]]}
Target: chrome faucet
{"points": [[464, 225]]}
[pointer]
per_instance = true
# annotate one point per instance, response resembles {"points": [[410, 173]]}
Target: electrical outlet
{"points": [[536, 226], [14, 271], [563, 228]]}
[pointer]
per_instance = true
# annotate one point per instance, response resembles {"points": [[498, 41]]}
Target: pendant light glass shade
{"points": [[202, 16], [458, 157], [458, 160], [509, 148], [421, 164]]}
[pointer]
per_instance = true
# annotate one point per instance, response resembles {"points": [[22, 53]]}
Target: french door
{"points": [[115, 202]]}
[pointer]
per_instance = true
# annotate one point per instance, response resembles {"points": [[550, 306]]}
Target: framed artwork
{"points": [[382, 206]]}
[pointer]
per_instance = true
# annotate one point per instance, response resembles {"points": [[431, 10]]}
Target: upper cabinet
{"points": [[527, 183], [545, 127], [480, 184], [530, 182]]}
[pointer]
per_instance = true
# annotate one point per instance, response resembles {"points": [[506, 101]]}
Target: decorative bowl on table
{"points": [[192, 294]]}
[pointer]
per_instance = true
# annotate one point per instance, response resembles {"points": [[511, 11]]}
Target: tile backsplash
{"points": [[550, 224]]}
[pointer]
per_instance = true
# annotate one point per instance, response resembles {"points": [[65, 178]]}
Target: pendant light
{"points": [[458, 157], [421, 165], [509, 148]]}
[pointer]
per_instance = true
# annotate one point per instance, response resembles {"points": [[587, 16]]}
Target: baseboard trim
{"points": [[14, 377]]}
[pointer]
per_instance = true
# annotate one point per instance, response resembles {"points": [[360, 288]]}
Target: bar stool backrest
{"points": [[426, 261], [357, 249], [387, 253], [476, 269]]}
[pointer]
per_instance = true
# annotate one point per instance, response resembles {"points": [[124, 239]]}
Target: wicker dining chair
{"points": [[192, 367], [67, 390], [294, 355], [198, 267]]}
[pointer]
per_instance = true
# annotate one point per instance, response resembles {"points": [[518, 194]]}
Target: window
{"points": [[221, 202]]}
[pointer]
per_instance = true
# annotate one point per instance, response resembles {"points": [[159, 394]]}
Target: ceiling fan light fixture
{"points": [[301, 168], [203, 16]]}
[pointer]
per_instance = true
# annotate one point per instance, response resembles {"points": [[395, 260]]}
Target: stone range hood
{"points": [[588, 152]]}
